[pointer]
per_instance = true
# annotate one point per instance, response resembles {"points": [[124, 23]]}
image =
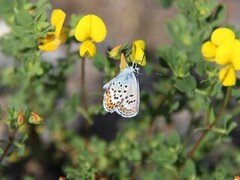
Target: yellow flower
{"points": [[209, 50], [224, 53], [220, 35], [227, 76], [90, 29], [138, 55], [225, 50], [236, 55], [53, 39], [35, 118], [115, 52]]}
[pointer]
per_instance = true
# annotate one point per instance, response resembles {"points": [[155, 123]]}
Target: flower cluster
{"points": [[89, 29], [224, 49], [136, 55]]}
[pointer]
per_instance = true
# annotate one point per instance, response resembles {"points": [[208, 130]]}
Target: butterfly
{"points": [[122, 93]]}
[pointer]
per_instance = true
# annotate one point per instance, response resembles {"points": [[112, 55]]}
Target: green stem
{"points": [[210, 126], [209, 108], [84, 98], [11, 140], [83, 85]]}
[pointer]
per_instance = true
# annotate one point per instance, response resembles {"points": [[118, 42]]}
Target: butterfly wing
{"points": [[113, 94], [122, 94], [130, 103]]}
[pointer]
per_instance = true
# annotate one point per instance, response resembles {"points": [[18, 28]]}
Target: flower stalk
{"points": [[210, 126]]}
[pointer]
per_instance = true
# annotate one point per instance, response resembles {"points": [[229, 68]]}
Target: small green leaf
{"points": [[202, 67], [28, 42], [219, 176], [235, 92], [211, 115], [217, 89], [98, 61], [74, 19], [189, 170], [173, 139], [174, 106], [1, 151], [220, 15], [186, 85], [24, 19], [85, 114], [232, 126]]}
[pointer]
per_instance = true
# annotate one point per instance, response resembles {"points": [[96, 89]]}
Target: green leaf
{"points": [[211, 115], [74, 19], [189, 170], [85, 114], [173, 139], [220, 15], [217, 89], [203, 101], [202, 67], [6, 9], [28, 42], [42, 6], [1, 151], [186, 85], [232, 126], [19, 31], [20, 148], [98, 61], [235, 92], [24, 19], [174, 106], [219, 176], [10, 45]]}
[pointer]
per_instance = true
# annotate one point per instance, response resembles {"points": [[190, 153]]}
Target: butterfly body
{"points": [[122, 93]]}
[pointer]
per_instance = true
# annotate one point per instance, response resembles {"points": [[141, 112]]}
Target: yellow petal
{"points": [[115, 52], [221, 35], [90, 27], [87, 48], [209, 50], [140, 43], [227, 76], [50, 45], [236, 55], [224, 53], [57, 19], [123, 62], [138, 55]]}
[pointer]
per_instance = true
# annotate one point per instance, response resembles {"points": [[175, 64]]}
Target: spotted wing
{"points": [[129, 106], [114, 94]]}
